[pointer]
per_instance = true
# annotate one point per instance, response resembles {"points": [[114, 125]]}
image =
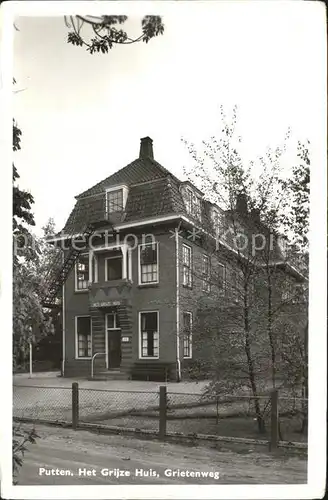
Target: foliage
{"points": [[30, 321], [243, 345], [296, 221], [22, 200], [105, 33], [21, 437]]}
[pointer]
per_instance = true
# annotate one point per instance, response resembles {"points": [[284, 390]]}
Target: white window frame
{"points": [[197, 207], [187, 285], [77, 338], [140, 334], [190, 337], [217, 220], [222, 290], [141, 245], [124, 189], [115, 321], [206, 285], [188, 200], [234, 280], [193, 207], [122, 264], [283, 246], [81, 290]]}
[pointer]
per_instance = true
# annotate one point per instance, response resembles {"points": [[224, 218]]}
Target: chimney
{"points": [[146, 148], [256, 215], [241, 203]]}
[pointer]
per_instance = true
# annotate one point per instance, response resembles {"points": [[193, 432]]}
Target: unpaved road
{"points": [[65, 449]]}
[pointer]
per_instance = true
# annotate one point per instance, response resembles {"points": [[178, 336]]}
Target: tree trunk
{"points": [[272, 346], [250, 365], [305, 385]]}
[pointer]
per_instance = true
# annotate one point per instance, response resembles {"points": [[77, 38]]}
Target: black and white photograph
{"points": [[167, 246]]}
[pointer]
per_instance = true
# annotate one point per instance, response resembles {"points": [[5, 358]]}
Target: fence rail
{"points": [[164, 413]]}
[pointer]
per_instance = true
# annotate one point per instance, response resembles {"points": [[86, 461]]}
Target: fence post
{"points": [[75, 405], [274, 437], [162, 411]]}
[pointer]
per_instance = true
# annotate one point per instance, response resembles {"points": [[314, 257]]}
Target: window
{"points": [[83, 336], [283, 246], [113, 268], [114, 201], [196, 207], [82, 272], [148, 333], [186, 260], [221, 277], [286, 291], [205, 273], [188, 200], [193, 203], [187, 335], [217, 221], [113, 321], [234, 284], [148, 263]]}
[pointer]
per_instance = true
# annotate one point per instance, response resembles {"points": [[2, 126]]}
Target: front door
{"points": [[114, 349]]}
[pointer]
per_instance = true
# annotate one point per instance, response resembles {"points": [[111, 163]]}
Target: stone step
{"points": [[110, 375]]}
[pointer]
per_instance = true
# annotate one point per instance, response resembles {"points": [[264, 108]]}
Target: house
{"points": [[139, 253]]}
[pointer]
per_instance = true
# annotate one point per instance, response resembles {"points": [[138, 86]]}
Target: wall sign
{"points": [[109, 303], [125, 339]]}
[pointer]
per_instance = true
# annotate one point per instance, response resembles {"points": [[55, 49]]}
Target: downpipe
{"points": [[178, 303]]}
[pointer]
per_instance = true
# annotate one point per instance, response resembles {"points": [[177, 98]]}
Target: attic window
{"points": [[116, 199], [283, 246], [217, 220], [193, 203]]}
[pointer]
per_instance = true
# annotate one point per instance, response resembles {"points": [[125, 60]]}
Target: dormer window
{"points": [[283, 246], [217, 220], [116, 199], [193, 203]]}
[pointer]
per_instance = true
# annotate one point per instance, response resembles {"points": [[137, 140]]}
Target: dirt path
{"points": [[65, 449]]}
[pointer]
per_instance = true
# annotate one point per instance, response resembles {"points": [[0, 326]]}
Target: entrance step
{"points": [[110, 375]]}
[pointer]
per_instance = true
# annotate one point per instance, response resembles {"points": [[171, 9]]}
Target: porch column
{"points": [[90, 265], [95, 256], [130, 263], [124, 260]]}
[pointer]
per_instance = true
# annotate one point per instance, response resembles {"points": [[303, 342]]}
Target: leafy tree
{"points": [[251, 205], [101, 33], [296, 224], [22, 200], [29, 319], [296, 221], [26, 305]]}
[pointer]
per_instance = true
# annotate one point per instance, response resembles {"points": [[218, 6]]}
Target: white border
{"points": [[139, 334], [317, 314]]}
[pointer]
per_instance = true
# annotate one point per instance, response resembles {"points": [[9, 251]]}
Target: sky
{"points": [[82, 116]]}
